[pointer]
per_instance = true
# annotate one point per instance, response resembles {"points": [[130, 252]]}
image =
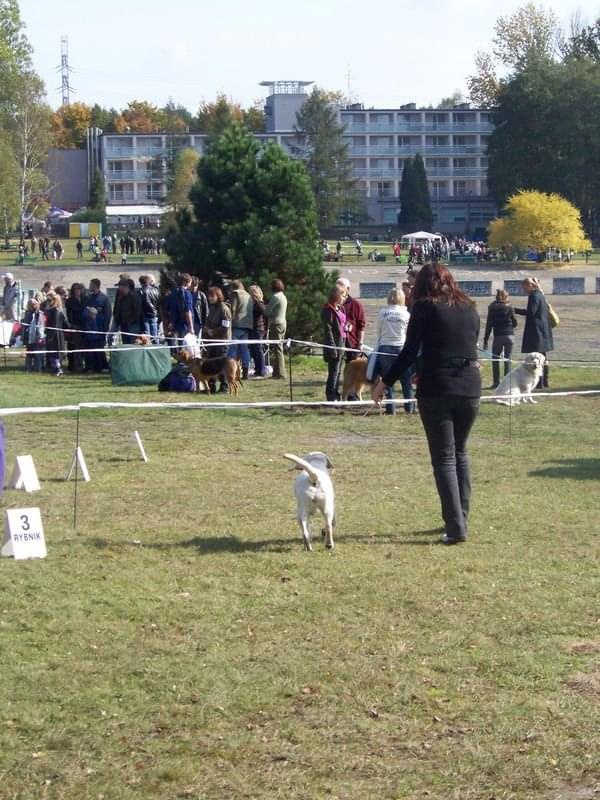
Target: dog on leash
{"points": [[355, 377], [520, 382], [314, 492], [205, 369]]}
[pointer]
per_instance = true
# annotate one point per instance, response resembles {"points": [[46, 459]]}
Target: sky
{"points": [[383, 55]]}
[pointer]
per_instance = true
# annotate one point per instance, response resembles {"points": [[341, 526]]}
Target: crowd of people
{"points": [[78, 323]]}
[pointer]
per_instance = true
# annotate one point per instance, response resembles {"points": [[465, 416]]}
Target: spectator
{"points": [[56, 322], [502, 321], [276, 315], [127, 312], [97, 318], [443, 331], [537, 335], [333, 318], [149, 296], [179, 307], [392, 323], [200, 306], [218, 326], [75, 308], [10, 297], [355, 325], [34, 336], [242, 320], [79, 248], [258, 330]]}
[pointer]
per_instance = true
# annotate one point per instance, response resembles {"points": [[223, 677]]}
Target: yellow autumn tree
{"points": [[540, 221]]}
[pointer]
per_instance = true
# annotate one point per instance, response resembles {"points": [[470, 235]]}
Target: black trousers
{"points": [[448, 422]]}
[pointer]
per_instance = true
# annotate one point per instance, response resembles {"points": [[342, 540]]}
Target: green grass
{"points": [[181, 644], [69, 259]]}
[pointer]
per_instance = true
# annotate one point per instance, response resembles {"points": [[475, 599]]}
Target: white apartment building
{"points": [[452, 142]]}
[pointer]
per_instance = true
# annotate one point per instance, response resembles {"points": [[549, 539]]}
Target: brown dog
{"points": [[355, 377], [205, 369]]}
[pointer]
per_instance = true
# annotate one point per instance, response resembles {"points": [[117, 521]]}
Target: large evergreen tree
{"points": [[254, 218], [319, 142], [415, 203]]}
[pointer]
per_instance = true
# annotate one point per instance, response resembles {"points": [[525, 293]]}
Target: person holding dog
{"points": [[502, 321], [537, 334], [333, 318], [442, 339]]}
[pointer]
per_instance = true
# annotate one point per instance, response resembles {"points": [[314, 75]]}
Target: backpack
{"points": [[178, 380]]}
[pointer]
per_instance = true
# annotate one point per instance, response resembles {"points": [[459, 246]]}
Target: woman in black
{"points": [[502, 321], [442, 339], [537, 335]]}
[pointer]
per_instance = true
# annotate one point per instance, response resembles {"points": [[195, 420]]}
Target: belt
{"points": [[457, 363]]}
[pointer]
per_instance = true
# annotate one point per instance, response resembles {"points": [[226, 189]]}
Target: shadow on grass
{"points": [[206, 545], [580, 469]]}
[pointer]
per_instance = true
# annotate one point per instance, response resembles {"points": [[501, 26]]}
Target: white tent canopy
{"points": [[422, 236]]}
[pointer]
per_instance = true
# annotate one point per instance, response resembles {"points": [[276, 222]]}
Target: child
{"points": [[34, 336]]}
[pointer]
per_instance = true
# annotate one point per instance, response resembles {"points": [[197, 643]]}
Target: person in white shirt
{"points": [[392, 323]]}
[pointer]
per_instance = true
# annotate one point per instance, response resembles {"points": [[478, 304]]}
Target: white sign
{"points": [[24, 475], [80, 460], [23, 534], [141, 446]]}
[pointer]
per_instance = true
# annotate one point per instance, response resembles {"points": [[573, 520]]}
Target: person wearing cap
{"points": [[9, 297]]}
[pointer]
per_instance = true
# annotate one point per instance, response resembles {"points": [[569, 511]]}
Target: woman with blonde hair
{"points": [[56, 322], [502, 321], [392, 323], [537, 334]]}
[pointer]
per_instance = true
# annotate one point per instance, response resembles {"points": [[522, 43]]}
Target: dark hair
{"points": [[277, 285], [502, 296], [435, 283]]}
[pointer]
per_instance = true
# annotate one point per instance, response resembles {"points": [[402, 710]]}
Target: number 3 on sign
{"points": [[23, 534]]}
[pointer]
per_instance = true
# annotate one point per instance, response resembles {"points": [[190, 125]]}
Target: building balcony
{"points": [[417, 127], [133, 175], [139, 151], [121, 197], [429, 150], [377, 172]]}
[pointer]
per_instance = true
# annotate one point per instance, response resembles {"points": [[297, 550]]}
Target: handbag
{"points": [[553, 316]]}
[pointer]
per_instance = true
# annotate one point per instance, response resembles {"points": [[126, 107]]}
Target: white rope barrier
{"points": [[222, 405]]}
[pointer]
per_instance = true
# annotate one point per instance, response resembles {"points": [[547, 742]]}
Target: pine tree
{"points": [[253, 217], [320, 144], [97, 200], [415, 204]]}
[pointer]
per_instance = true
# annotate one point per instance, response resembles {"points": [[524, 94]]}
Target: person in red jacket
{"points": [[355, 324]]}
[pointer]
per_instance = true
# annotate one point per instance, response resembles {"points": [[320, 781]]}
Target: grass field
{"points": [[180, 643]]}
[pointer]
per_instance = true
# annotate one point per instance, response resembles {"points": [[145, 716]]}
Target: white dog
{"points": [[521, 381], [314, 492]]}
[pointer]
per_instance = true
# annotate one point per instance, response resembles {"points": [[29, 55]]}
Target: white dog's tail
{"points": [[312, 473]]}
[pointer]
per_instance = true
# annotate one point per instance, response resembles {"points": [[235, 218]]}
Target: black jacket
{"points": [[537, 336], [444, 338], [149, 295], [500, 319], [333, 336]]}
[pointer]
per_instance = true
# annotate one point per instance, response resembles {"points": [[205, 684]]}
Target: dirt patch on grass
{"points": [[575, 793], [584, 647], [586, 683]]}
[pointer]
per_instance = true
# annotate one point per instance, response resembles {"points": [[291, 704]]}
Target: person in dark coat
{"points": [[56, 322], [502, 321], [333, 318], [75, 307], [442, 339], [537, 335]]}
